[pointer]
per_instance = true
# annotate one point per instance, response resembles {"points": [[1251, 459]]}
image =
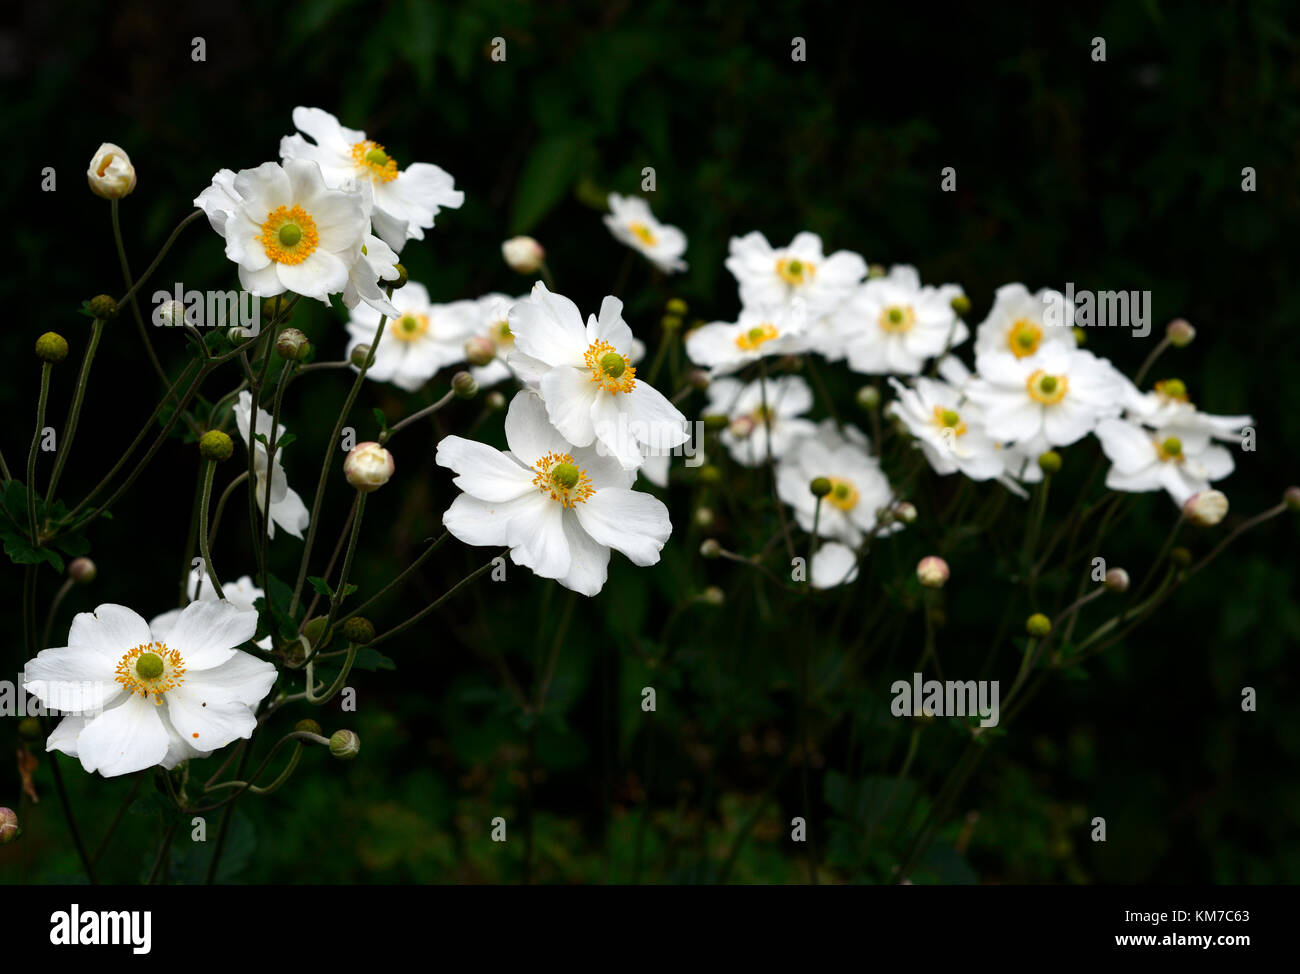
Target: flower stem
{"points": [[205, 549], [393, 430], [65, 442], [402, 627], [41, 402]]}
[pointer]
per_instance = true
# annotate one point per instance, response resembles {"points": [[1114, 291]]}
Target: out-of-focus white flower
{"points": [[1179, 460], [1020, 323], [892, 324], [559, 508], [111, 175], [859, 490], [753, 410], [287, 508], [368, 467], [523, 255], [493, 324], [832, 564], [773, 276], [242, 593], [422, 338], [949, 431], [631, 222], [724, 347], [405, 200], [1167, 404]]}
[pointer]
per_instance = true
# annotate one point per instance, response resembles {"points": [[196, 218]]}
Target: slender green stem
{"points": [[64, 589], [424, 556], [402, 627], [205, 549], [74, 414], [348, 554], [1151, 360], [221, 506], [117, 819], [133, 288], [41, 402], [393, 430], [131, 293]]}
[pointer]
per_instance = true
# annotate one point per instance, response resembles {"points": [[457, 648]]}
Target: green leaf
{"points": [[321, 586]]}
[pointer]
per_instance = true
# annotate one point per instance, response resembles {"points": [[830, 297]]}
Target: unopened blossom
{"points": [[137, 698], [757, 409], [368, 467], [948, 429], [492, 314], [1206, 507], [1020, 323], [405, 199], [1178, 460], [559, 508], [759, 332], [110, 175], [858, 487], [932, 572], [587, 379], [419, 341], [287, 508], [523, 255], [770, 276], [893, 324], [631, 222]]}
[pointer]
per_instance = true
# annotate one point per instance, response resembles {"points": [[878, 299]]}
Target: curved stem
{"points": [[74, 414], [205, 549]]}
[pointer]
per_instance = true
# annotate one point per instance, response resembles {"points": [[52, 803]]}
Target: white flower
{"points": [[1167, 404], [110, 175], [242, 593], [421, 339], [631, 222], [1179, 460], [746, 436], [137, 699], [587, 380], [523, 255], [405, 200], [1020, 323], [368, 467], [949, 431], [893, 324], [769, 276], [376, 264], [1059, 393], [287, 508], [832, 564], [285, 230], [724, 347], [493, 323], [858, 487], [559, 508]]}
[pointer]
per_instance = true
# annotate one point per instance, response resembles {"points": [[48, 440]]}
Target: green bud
{"points": [[1049, 462], [820, 486], [215, 445], [710, 474], [51, 347], [359, 630], [961, 305], [292, 345], [103, 307], [359, 356], [1181, 557], [82, 570], [1038, 625], [869, 398], [713, 596], [676, 306], [671, 323], [29, 729], [877, 270], [316, 633], [307, 726], [709, 548], [345, 745], [1291, 498], [463, 384]]}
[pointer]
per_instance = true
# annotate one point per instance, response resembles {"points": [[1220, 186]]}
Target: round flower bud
{"points": [[82, 570], [495, 400], [713, 596], [29, 729], [315, 630], [359, 356], [400, 280], [697, 379], [1180, 556], [345, 745], [1049, 462], [704, 517], [307, 726], [276, 306], [368, 466], [877, 270], [358, 629], [709, 548], [869, 398], [111, 175], [1291, 498], [905, 511], [1206, 508], [932, 572], [710, 474], [51, 347], [9, 829], [961, 305], [1080, 337], [480, 350], [1180, 333], [215, 445], [464, 386], [292, 345], [524, 255], [103, 307], [1116, 580], [1038, 625], [171, 314], [676, 306], [820, 486]]}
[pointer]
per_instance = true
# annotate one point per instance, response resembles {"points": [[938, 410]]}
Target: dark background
{"points": [[1124, 174]]}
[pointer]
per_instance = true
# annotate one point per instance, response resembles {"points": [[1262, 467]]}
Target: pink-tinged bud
{"points": [[698, 379], [1116, 580], [1206, 508], [932, 572], [905, 511], [1180, 333], [82, 570], [480, 350], [111, 175], [524, 255], [368, 467], [8, 826], [1291, 498]]}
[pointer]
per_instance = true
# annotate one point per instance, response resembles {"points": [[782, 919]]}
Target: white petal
{"points": [[129, 737], [569, 395], [207, 633], [483, 471], [628, 521], [205, 720]]}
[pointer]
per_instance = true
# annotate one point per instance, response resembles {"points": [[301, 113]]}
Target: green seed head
{"points": [[895, 315], [307, 726], [359, 630], [149, 666], [1049, 462], [290, 234], [613, 364], [1025, 339], [820, 487], [103, 307], [1172, 446], [316, 632], [1047, 384], [565, 475], [950, 417], [1174, 388], [675, 306], [51, 347], [215, 445], [1038, 625]]}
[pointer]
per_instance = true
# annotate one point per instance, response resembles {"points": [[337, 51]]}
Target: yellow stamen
{"points": [[1024, 337], [751, 339], [949, 419], [562, 480], [1047, 389], [289, 235], [898, 319], [843, 494], [151, 669], [410, 326], [374, 160], [643, 233], [609, 369], [794, 271]]}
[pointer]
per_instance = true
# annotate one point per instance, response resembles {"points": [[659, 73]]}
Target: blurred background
{"points": [[522, 701]]}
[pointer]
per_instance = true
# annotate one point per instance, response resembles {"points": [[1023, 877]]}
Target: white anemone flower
{"points": [[285, 230], [631, 222], [754, 409], [723, 347], [1059, 393], [832, 564], [586, 378], [949, 430], [1180, 460], [287, 508], [1020, 323], [421, 339], [772, 276], [242, 593], [892, 324], [859, 489], [405, 200], [136, 699], [1168, 404], [559, 508], [493, 317]]}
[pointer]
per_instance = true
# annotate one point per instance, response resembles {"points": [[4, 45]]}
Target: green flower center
{"points": [[149, 666], [565, 475], [613, 365], [377, 157], [949, 417], [1172, 447], [290, 234], [1047, 384]]}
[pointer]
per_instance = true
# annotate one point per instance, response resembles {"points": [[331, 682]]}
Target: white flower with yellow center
{"points": [[1020, 323], [406, 200], [1059, 394], [285, 230], [587, 379], [1180, 460], [772, 276], [559, 508], [421, 339], [1168, 403], [242, 593], [137, 698], [493, 324], [753, 409], [723, 347], [859, 489], [287, 508], [949, 430], [893, 325], [631, 222]]}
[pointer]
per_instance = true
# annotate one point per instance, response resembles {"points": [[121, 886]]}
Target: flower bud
{"points": [[292, 345], [368, 466], [1038, 625], [869, 398], [495, 400], [111, 175], [29, 729], [276, 307], [480, 350], [103, 307], [932, 572], [51, 347], [713, 596], [676, 306], [1116, 580], [820, 486], [1181, 556], [9, 829], [704, 517], [877, 270], [961, 305], [1180, 333], [1049, 462], [82, 570], [215, 445], [1206, 508], [1291, 498], [1080, 337], [307, 726], [671, 323], [710, 474], [171, 314], [905, 511], [359, 356], [697, 379], [358, 629], [709, 548], [315, 631], [464, 386], [345, 745], [524, 255]]}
